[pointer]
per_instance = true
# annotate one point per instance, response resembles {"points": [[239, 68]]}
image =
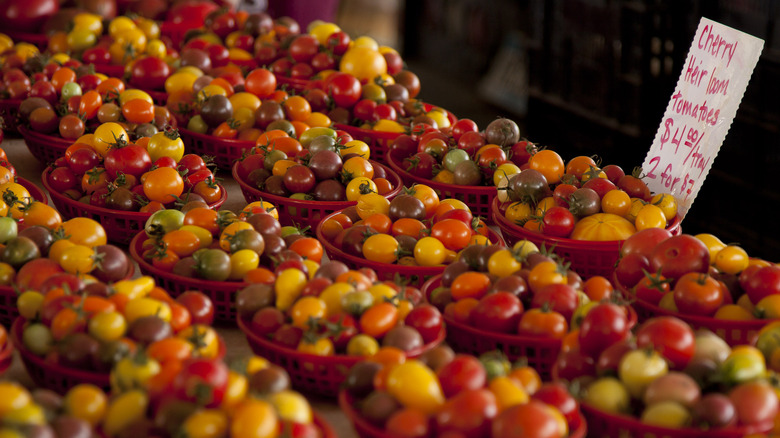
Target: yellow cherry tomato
{"points": [[712, 243], [124, 410], [667, 203], [416, 386], [731, 259], [87, 402], [650, 216], [429, 251]]}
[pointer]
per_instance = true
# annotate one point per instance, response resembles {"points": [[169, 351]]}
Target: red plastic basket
{"points": [[120, 226], [478, 198], [417, 275], [39, 40], [539, 352], [6, 356], [221, 293], [291, 84], [733, 332], [46, 148], [325, 428], [225, 151], [60, 379], [8, 310], [587, 258], [34, 190], [9, 112], [311, 374], [366, 429], [160, 98], [296, 211], [113, 71], [380, 141], [602, 424], [50, 375]]}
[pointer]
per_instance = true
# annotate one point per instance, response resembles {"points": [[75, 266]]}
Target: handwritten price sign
{"points": [[699, 115]]}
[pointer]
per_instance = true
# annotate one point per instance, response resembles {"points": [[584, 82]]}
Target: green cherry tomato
{"points": [[163, 221], [8, 229], [196, 124], [69, 90], [454, 157], [608, 394], [640, 367], [312, 133], [666, 414], [743, 364], [37, 338], [213, 264]]}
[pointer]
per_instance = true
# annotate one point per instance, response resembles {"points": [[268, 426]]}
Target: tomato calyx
{"points": [[10, 198], [197, 339], [160, 250], [224, 220], [202, 393], [657, 281], [365, 188], [346, 176], [496, 364], [660, 200], [172, 133], [591, 173], [128, 52], [477, 223], [412, 163], [119, 142], [570, 179]]}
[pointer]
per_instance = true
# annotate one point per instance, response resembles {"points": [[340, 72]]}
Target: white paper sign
{"points": [[711, 85]]}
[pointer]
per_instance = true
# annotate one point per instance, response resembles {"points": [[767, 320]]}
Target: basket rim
{"points": [[281, 200], [703, 321], [292, 81], [322, 424], [347, 402], [29, 37], [330, 248], [355, 130], [389, 135], [496, 210], [337, 359], [6, 103], [635, 424], [532, 341], [6, 352], [10, 291], [392, 161], [228, 142], [37, 361], [33, 189], [135, 247], [110, 70], [55, 141], [134, 215]]}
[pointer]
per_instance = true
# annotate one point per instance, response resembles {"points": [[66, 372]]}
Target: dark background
{"points": [[600, 74]]}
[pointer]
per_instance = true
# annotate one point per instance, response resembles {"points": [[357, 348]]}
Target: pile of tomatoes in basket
{"points": [[409, 304]]}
